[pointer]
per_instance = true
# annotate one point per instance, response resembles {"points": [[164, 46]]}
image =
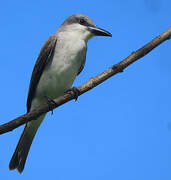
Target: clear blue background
{"points": [[119, 130]]}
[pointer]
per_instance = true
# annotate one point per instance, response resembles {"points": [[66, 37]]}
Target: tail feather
{"points": [[21, 152]]}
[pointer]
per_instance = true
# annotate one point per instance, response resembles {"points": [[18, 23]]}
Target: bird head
{"points": [[83, 27]]}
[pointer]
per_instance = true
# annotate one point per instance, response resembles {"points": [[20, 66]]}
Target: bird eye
{"points": [[82, 21]]}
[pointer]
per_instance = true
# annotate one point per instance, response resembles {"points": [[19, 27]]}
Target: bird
{"points": [[61, 59]]}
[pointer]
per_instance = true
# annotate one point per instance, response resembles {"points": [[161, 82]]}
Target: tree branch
{"points": [[93, 82]]}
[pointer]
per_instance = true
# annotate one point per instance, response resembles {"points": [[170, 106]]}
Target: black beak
{"points": [[98, 31]]}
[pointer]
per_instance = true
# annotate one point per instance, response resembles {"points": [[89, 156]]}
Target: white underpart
{"points": [[70, 52], [68, 56]]}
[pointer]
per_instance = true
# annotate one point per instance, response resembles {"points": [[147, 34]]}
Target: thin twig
{"points": [[93, 82]]}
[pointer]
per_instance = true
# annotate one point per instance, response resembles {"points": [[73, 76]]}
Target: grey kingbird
{"points": [[61, 59]]}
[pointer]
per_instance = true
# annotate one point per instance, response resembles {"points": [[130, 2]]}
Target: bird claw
{"points": [[50, 102], [76, 92]]}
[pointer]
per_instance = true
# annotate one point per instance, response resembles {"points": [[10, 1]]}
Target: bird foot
{"points": [[76, 92], [50, 102]]}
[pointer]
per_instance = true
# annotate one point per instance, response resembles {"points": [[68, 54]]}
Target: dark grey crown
{"points": [[79, 19]]}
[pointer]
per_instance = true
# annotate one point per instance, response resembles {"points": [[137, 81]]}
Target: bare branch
{"points": [[93, 82]]}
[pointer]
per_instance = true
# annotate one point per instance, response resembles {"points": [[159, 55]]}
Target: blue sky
{"points": [[119, 130]]}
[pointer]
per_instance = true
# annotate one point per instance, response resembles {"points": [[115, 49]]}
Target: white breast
{"points": [[59, 76]]}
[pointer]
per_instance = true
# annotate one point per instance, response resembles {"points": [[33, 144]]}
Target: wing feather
{"points": [[44, 58], [83, 62]]}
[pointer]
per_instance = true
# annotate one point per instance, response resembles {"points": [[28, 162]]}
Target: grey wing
{"points": [[83, 62], [44, 58]]}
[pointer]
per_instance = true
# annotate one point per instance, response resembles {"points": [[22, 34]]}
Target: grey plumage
{"points": [[61, 59]]}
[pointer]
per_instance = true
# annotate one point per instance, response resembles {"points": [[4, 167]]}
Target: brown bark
{"points": [[93, 82]]}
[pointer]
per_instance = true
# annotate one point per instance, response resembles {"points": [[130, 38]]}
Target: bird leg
{"points": [[50, 102], [75, 90]]}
